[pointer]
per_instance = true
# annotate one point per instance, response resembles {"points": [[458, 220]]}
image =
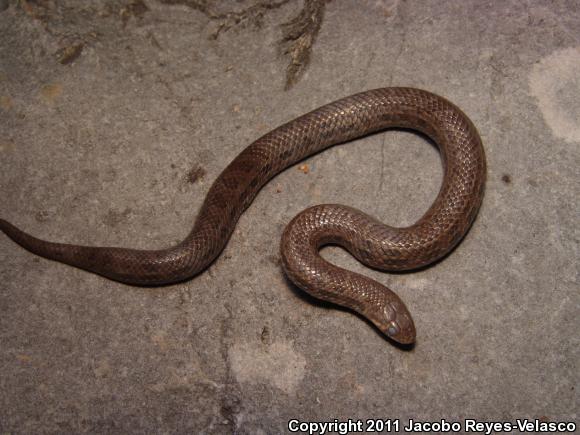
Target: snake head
{"points": [[395, 321]]}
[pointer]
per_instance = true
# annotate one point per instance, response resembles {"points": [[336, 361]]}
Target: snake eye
{"points": [[392, 329]]}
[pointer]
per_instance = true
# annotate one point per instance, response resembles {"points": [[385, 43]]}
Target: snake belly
{"points": [[370, 241]]}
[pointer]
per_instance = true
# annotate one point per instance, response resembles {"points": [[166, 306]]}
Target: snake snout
{"points": [[399, 324], [401, 332]]}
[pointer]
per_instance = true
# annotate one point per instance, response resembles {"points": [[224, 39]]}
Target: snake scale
{"points": [[370, 241]]}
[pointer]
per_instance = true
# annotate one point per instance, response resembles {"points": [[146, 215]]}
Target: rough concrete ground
{"points": [[117, 115]]}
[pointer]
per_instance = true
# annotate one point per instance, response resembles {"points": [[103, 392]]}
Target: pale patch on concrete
{"points": [[5, 102], [184, 375], [6, 146], [418, 283], [51, 92], [555, 82], [102, 369], [160, 339], [387, 8], [278, 364]]}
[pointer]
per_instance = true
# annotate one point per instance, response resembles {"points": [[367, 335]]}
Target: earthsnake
{"points": [[370, 241]]}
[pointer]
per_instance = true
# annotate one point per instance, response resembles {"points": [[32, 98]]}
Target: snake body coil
{"points": [[373, 243]]}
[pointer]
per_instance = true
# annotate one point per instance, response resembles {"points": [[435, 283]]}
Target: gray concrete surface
{"points": [[116, 116]]}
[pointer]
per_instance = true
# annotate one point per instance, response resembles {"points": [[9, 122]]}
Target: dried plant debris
{"points": [[70, 53], [250, 16], [299, 36], [195, 174], [135, 8], [37, 9], [64, 14], [72, 24]]}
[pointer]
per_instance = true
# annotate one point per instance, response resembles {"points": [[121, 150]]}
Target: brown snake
{"points": [[373, 243]]}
